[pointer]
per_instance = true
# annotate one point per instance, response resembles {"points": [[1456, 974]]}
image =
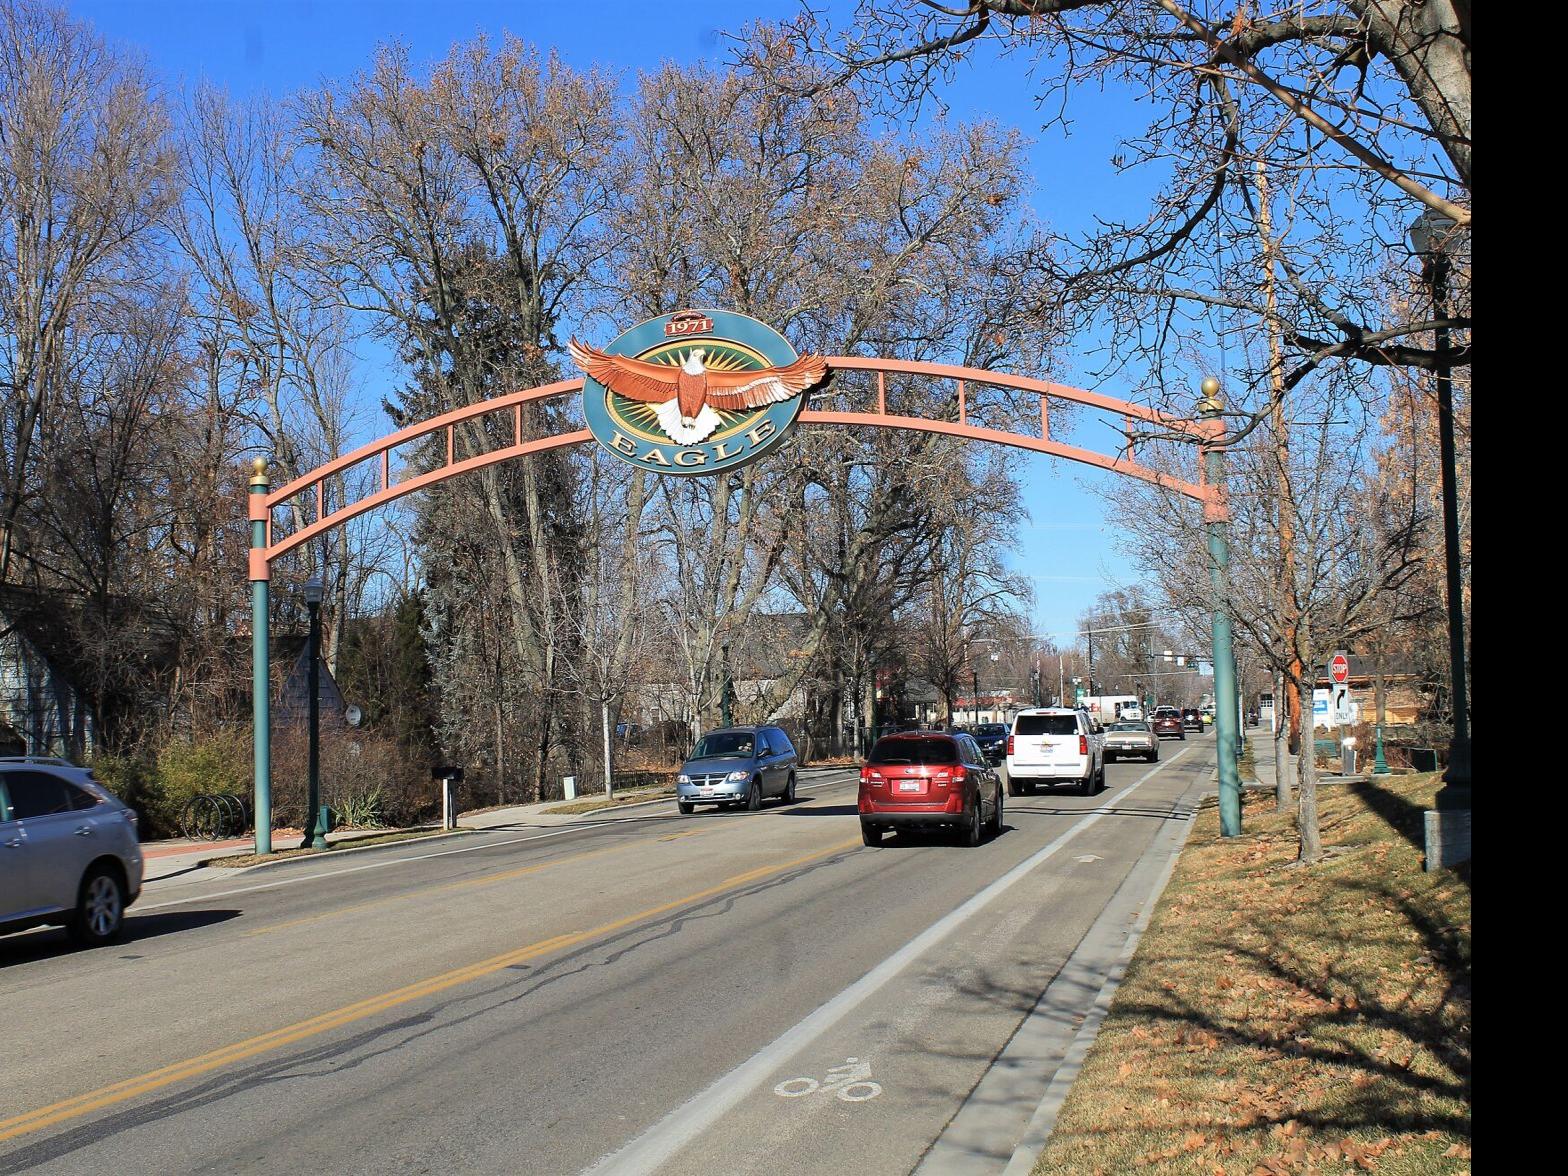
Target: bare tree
{"points": [[462, 212], [786, 208], [1351, 554], [1359, 110], [84, 179]]}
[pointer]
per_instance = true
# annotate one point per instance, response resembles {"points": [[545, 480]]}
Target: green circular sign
{"points": [[697, 392]]}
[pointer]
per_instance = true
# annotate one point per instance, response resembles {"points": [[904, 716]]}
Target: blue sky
{"points": [[277, 46]]}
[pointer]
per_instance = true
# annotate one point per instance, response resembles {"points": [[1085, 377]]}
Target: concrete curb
{"points": [[1043, 1121], [210, 863]]}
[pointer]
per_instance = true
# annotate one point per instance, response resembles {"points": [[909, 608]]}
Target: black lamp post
{"points": [[727, 688], [1431, 237], [315, 835]]}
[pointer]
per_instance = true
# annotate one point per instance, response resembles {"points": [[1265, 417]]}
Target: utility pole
{"points": [[1226, 728]]}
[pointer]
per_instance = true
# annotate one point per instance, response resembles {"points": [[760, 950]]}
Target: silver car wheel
{"points": [[103, 906]]}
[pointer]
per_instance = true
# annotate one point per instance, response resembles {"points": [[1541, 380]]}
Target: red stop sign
{"points": [[1339, 669]]}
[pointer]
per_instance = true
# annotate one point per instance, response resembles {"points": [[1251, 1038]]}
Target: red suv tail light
{"points": [[1009, 745], [1083, 745]]}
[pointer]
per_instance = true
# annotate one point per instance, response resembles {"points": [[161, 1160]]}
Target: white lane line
{"points": [[381, 865], [689, 1120]]}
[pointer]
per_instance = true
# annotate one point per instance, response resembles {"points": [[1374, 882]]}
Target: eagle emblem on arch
{"points": [[685, 395]]}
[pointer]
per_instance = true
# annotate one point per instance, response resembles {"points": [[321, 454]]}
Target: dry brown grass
{"points": [[1287, 1019]]}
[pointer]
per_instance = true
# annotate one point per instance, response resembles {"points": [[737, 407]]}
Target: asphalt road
{"points": [[746, 992]]}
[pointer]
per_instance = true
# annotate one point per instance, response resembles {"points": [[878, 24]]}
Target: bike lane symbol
{"points": [[851, 1082]]}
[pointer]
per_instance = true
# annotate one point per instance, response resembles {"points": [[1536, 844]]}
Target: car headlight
{"points": [[737, 775], [683, 778]]}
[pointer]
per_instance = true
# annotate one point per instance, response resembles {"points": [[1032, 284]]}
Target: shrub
{"points": [[217, 762], [135, 781]]}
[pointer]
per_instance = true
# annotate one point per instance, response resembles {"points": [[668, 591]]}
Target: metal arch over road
{"points": [[312, 486], [1206, 433]]}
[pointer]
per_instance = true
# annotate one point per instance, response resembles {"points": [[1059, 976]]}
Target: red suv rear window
{"points": [[905, 749]]}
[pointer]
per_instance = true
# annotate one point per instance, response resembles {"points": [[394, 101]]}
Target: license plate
{"points": [[909, 786]]}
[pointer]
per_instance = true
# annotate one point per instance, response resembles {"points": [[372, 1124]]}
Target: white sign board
{"points": [[1322, 709]]}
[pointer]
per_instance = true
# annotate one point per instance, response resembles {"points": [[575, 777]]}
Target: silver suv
{"points": [[69, 853]]}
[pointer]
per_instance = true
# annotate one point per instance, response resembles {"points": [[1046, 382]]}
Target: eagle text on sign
{"points": [[696, 392]]}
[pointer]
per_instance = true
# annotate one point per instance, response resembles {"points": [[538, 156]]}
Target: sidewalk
{"points": [[183, 856], [1261, 740]]}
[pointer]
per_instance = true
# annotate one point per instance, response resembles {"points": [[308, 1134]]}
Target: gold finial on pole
{"points": [[259, 475], [1211, 404]]}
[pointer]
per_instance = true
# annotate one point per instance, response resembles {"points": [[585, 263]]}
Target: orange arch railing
{"points": [[378, 454]]}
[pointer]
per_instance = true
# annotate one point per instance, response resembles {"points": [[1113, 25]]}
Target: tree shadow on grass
{"points": [[1403, 815], [1346, 1018]]}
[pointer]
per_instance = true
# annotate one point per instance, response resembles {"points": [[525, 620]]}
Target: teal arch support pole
{"points": [[1226, 727], [260, 657]]}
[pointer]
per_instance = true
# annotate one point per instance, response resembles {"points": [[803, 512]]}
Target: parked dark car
{"points": [[992, 740], [737, 766], [1168, 726], [929, 780], [1192, 719]]}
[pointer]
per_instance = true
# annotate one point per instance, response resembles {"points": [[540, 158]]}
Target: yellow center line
{"points": [[130, 1088]]}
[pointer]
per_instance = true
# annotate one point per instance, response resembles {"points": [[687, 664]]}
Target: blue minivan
{"points": [[737, 766]]}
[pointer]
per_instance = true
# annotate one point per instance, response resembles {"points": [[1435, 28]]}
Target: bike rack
{"points": [[214, 817]]}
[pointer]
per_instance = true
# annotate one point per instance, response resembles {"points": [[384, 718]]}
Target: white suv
{"points": [[1054, 745], [69, 853]]}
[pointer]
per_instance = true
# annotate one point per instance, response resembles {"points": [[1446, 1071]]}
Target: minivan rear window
{"points": [[1046, 725], [905, 750]]}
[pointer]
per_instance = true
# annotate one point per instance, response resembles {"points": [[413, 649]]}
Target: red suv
{"points": [[925, 780]]}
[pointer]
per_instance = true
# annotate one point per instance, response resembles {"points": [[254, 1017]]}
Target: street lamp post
{"points": [[315, 835], [1226, 728], [726, 688], [1430, 238]]}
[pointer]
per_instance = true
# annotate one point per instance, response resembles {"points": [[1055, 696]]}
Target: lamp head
{"points": [[314, 590], [1431, 234]]}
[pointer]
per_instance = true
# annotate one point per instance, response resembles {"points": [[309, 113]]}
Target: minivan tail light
{"points": [[1009, 745], [1083, 745]]}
